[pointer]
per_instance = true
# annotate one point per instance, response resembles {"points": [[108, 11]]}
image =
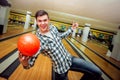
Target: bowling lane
{"points": [[94, 45], [42, 69], [8, 40], [100, 50], [14, 30], [2, 78], [109, 69], [7, 46]]}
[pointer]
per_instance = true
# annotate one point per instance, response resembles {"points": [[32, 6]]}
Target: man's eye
{"points": [[40, 21], [45, 20]]}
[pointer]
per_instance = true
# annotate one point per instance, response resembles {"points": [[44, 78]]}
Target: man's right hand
{"points": [[24, 60]]}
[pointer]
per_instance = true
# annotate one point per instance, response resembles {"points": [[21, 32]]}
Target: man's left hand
{"points": [[74, 25]]}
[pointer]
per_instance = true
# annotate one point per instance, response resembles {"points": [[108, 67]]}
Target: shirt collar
{"points": [[50, 26]]}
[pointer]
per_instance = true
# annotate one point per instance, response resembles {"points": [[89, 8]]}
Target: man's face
{"points": [[43, 23]]}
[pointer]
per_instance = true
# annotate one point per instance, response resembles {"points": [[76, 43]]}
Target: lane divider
{"points": [[8, 61]]}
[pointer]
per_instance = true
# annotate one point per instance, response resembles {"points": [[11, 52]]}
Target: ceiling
{"points": [[101, 14]]}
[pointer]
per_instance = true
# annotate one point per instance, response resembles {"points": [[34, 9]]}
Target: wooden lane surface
{"points": [[42, 69], [7, 46], [2, 78], [105, 66], [96, 46], [100, 49], [14, 29]]}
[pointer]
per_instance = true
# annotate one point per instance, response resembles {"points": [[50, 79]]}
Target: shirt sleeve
{"points": [[64, 34], [31, 61]]}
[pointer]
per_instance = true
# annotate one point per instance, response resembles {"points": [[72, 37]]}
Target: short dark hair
{"points": [[41, 13], [119, 27]]}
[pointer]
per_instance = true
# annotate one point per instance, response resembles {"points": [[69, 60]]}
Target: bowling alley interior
{"points": [[96, 39]]}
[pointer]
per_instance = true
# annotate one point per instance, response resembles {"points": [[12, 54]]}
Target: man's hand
{"points": [[74, 25], [24, 60]]}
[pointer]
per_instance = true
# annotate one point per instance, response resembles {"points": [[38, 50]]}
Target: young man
{"points": [[51, 45]]}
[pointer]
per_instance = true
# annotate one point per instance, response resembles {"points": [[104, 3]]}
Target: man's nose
{"points": [[42, 22]]}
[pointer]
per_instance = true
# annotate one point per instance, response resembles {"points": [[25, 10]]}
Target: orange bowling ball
{"points": [[28, 44]]}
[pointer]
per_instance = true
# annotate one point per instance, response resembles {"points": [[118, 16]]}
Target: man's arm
{"points": [[69, 31]]}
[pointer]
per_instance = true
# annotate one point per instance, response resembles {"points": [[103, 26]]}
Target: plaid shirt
{"points": [[53, 48]]}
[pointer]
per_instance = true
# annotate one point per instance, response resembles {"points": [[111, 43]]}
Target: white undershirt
{"points": [[48, 34]]}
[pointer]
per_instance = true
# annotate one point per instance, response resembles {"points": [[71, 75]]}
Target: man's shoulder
{"points": [[52, 27]]}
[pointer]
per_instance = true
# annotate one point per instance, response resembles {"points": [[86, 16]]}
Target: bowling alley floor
{"points": [[99, 48], [8, 45], [13, 30], [90, 53], [8, 40]]}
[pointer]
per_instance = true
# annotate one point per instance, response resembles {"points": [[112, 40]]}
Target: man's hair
{"points": [[119, 27], [41, 13]]}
